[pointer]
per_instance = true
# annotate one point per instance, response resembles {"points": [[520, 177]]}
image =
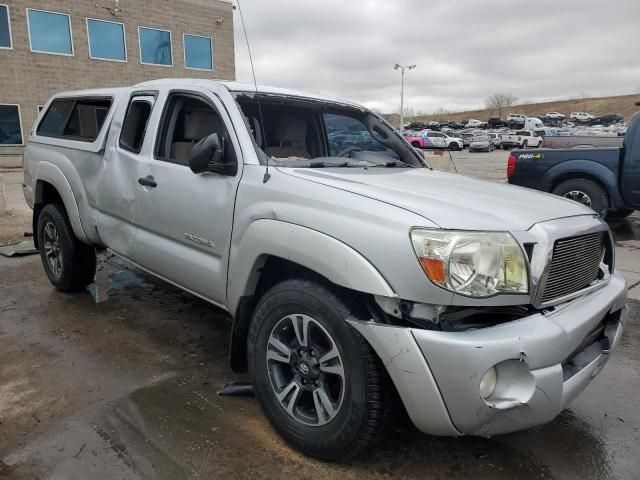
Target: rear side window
{"points": [[76, 119], [135, 125]]}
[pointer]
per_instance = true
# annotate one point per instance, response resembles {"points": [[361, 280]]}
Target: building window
{"points": [[106, 40], [49, 32], [198, 52], [10, 127], [155, 46], [5, 27], [72, 119]]}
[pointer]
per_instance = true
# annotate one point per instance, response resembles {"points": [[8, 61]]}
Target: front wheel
{"points": [[317, 380], [586, 192], [454, 146], [69, 263]]}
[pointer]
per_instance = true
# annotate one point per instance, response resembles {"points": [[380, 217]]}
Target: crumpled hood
{"points": [[449, 200]]}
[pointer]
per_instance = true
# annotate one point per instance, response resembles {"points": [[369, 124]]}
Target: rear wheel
{"points": [[69, 264], [586, 192], [415, 144], [454, 146], [318, 381]]}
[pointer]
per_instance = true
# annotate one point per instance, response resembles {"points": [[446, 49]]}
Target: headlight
{"points": [[475, 264]]}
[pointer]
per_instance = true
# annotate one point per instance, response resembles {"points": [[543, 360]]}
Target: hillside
{"points": [[624, 105]]}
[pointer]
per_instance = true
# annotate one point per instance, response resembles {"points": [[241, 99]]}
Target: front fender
{"points": [[325, 255], [50, 173], [584, 168]]}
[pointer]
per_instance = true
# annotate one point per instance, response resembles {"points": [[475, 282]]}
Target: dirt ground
{"points": [[17, 219], [127, 389]]}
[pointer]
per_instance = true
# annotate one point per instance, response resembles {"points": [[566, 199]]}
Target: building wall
{"points": [[29, 79]]}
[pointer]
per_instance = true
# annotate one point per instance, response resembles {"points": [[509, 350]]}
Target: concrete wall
{"points": [[29, 79]]}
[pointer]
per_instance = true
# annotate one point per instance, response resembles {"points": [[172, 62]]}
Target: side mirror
{"points": [[208, 156]]}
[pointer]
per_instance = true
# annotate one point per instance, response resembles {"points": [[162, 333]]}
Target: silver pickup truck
{"points": [[357, 277]]}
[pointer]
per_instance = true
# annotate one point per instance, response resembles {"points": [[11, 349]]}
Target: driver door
{"points": [[185, 219]]}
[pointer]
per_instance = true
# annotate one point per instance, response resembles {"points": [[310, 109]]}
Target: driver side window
{"points": [[186, 120], [344, 132]]}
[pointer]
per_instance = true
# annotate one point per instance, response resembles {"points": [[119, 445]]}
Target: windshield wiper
{"points": [[394, 164], [327, 164]]}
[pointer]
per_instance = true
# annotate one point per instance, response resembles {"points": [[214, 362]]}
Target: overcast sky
{"points": [[464, 50]]}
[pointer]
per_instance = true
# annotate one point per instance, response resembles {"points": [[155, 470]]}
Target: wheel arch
{"points": [[266, 256], [586, 170], [51, 186]]}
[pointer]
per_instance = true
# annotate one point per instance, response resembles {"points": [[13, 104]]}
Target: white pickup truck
{"points": [[521, 139], [355, 275]]}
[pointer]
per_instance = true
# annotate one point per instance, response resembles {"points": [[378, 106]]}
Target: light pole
{"points": [[402, 68]]}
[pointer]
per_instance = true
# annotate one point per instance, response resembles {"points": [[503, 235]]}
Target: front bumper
{"points": [[548, 359]]}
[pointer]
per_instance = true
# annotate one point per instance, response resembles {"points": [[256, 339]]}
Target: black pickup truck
{"points": [[605, 179]]}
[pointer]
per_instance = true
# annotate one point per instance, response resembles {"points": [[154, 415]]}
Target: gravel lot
{"points": [[126, 389]]}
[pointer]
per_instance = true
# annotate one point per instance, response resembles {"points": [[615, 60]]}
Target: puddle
{"points": [[112, 275]]}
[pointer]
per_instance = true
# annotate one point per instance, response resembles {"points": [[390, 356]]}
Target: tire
{"points": [[619, 214], [586, 192], [505, 147], [362, 409], [69, 264], [454, 146], [524, 145], [415, 144]]}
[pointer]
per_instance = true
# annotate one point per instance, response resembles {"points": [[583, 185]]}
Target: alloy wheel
{"points": [[578, 196], [305, 370], [52, 249]]}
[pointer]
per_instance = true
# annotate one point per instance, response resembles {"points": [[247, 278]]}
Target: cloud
{"points": [[464, 50]]}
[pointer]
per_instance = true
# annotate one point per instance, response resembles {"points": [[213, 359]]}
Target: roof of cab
{"points": [[244, 87], [94, 92]]}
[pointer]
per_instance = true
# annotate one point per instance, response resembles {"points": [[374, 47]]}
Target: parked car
{"points": [[555, 116], [608, 119], [516, 117], [582, 117], [606, 179], [466, 138], [495, 122], [476, 124], [543, 132], [353, 273], [431, 139], [521, 139], [482, 142], [496, 139], [415, 139]]}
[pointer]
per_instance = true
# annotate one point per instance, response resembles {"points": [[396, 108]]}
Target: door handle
{"points": [[147, 181]]}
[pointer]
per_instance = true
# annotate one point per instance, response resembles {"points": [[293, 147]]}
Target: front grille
{"points": [[574, 265]]}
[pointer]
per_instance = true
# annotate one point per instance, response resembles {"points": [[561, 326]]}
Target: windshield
{"points": [[297, 132], [481, 138]]}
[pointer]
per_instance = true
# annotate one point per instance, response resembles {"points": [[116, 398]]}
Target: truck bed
{"points": [[581, 141], [541, 168]]}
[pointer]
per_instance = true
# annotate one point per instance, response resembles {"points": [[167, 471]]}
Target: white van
{"points": [[532, 123]]}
